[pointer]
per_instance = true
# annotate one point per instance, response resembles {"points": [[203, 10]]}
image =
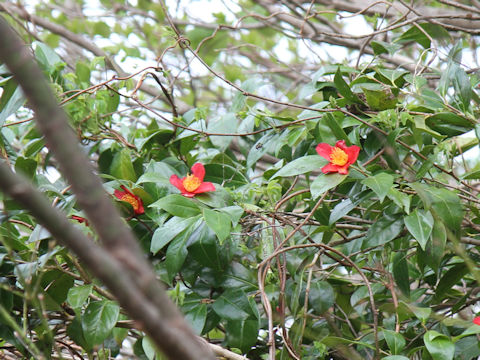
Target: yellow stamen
{"points": [[338, 156], [131, 200], [191, 183]]}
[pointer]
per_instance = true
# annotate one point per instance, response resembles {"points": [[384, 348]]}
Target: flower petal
{"points": [[352, 152], [205, 187], [177, 182], [198, 170], [126, 190], [330, 168], [343, 169], [119, 194], [476, 321], [324, 150], [140, 210], [341, 144], [188, 194]]}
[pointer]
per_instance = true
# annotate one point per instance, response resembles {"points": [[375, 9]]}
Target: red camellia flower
{"points": [[130, 198], [340, 156], [193, 184], [476, 321], [80, 219]]}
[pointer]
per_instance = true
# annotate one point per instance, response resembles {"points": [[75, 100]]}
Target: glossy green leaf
{"points": [[177, 205], [233, 305], [400, 272], [301, 166], [344, 89], [323, 183], [241, 334], [384, 230], [395, 357], [401, 199], [226, 124], [419, 36], [122, 166], [321, 296], [449, 124], [445, 204], [439, 346], [449, 279], [224, 174], [219, 222], [380, 183], [382, 47], [197, 318], [177, 252], [98, 320], [47, 57], [420, 224], [395, 341], [11, 100], [167, 232]]}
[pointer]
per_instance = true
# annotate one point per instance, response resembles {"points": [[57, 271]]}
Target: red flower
{"points": [[340, 156], [130, 198], [80, 219], [476, 321], [192, 185]]}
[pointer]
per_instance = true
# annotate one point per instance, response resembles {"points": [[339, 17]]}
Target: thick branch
{"points": [[113, 232]]}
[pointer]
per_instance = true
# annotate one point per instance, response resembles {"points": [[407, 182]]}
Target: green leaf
{"points": [[98, 321], [419, 36], [149, 348], [380, 100], [204, 248], [12, 99], [26, 166], [226, 124], [435, 248], [122, 167], [177, 205], [451, 277], [420, 224], [261, 147], [78, 295], [321, 296], [233, 305], [400, 199], [241, 334], [382, 47], [167, 232], [395, 341], [235, 213], [400, 272], [47, 58], [439, 345], [447, 123], [380, 183], [224, 174], [384, 230], [467, 348], [83, 72], [301, 166], [336, 129], [344, 89], [395, 357], [324, 183], [219, 222], [177, 252], [197, 318], [446, 205], [423, 314]]}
